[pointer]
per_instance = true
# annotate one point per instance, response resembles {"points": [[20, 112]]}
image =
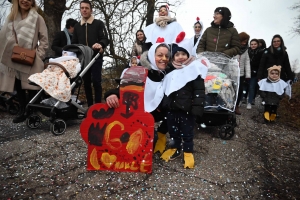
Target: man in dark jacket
{"points": [[64, 37], [91, 32]]}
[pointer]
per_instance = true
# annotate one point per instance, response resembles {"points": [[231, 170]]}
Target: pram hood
{"points": [[84, 53]]}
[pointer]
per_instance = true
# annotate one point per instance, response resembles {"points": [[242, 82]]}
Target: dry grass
{"points": [[289, 110]]}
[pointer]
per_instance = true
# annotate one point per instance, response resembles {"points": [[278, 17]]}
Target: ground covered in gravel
{"points": [[261, 161]]}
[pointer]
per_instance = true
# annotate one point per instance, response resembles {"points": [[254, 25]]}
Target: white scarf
{"points": [[154, 91]]}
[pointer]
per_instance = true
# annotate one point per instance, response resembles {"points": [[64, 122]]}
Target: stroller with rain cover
{"points": [[221, 90], [58, 111]]}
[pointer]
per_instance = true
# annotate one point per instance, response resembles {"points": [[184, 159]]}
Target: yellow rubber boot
{"points": [[161, 143], [272, 117], [167, 154], [267, 116], [189, 161]]}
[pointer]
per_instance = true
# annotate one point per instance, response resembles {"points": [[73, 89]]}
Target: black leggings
{"points": [[23, 98]]}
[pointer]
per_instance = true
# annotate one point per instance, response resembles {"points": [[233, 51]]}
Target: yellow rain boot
{"points": [[189, 161], [272, 117], [168, 154], [267, 116], [160, 143]]}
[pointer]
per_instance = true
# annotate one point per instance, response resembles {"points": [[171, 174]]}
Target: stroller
{"points": [[221, 91], [58, 111]]}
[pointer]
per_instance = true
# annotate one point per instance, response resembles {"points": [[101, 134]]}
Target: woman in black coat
{"points": [[255, 54], [276, 55]]}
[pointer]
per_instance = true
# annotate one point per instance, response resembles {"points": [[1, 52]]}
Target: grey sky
{"points": [[259, 18]]}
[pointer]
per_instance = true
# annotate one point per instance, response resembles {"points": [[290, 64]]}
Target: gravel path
{"points": [[260, 162]]}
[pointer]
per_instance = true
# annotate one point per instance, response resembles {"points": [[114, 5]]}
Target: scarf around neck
{"points": [[162, 21], [68, 36], [243, 49], [185, 63], [25, 28]]}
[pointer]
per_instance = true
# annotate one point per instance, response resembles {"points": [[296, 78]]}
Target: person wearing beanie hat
{"points": [[184, 100], [276, 54], [272, 90], [164, 26], [221, 36], [244, 64]]}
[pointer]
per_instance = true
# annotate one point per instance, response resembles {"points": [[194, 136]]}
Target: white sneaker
{"points": [[249, 106]]}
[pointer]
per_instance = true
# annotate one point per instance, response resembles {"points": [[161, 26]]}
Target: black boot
{"points": [[21, 116]]}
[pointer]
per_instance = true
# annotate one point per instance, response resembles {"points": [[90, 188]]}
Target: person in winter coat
{"points": [[276, 55], [156, 61], [31, 33], [244, 64], [64, 37], [91, 32], [272, 91], [262, 44], [221, 36], [137, 46], [255, 55], [184, 102]]}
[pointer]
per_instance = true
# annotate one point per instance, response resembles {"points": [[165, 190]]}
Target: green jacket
{"points": [[218, 39]]}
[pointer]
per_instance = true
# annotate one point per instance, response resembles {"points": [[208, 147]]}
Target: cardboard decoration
{"points": [[121, 139]]}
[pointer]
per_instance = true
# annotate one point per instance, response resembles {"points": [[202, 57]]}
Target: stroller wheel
{"points": [[58, 127], [226, 132], [14, 108], [33, 121]]}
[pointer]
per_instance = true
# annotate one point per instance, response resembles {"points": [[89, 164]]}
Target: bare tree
{"points": [[296, 28]]}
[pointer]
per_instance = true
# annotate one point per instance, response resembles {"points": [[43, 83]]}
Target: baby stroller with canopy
{"points": [[58, 111], [221, 89]]}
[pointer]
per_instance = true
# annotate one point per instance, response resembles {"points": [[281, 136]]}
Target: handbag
{"points": [[22, 55]]}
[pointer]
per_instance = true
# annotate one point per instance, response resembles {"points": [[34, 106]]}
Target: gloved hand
{"points": [[197, 111]]}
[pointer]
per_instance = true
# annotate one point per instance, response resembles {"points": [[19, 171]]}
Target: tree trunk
{"points": [[53, 12], [150, 11]]}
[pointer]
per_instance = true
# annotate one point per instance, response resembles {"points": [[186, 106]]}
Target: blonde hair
{"points": [[15, 9]]}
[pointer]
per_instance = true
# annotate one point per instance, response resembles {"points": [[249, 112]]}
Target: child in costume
{"points": [[184, 99], [272, 90], [134, 61]]}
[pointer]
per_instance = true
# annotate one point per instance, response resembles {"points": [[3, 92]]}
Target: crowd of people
{"points": [[164, 50]]}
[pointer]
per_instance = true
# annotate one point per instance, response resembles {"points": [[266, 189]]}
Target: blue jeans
{"points": [[94, 74], [252, 89]]}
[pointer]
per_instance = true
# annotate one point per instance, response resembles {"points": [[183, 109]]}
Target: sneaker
{"points": [[176, 154], [249, 106]]}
